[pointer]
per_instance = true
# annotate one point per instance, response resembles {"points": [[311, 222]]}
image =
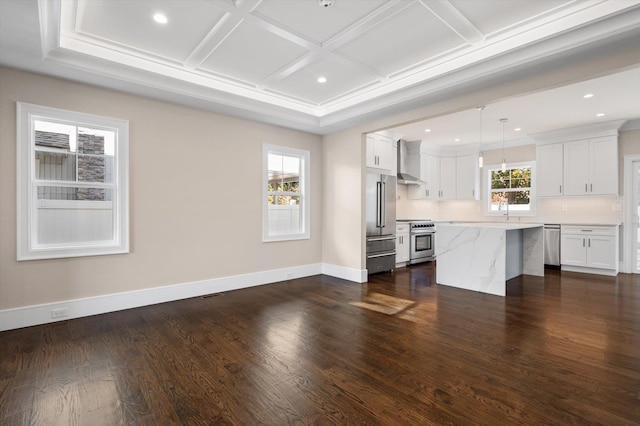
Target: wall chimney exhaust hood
{"points": [[404, 177]]}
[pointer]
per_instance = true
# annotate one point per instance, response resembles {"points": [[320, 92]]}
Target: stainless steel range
{"points": [[423, 241]]}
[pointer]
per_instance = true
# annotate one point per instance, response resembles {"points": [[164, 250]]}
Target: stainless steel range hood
{"points": [[403, 177]]}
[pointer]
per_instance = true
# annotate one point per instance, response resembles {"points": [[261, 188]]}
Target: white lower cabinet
{"points": [[590, 249], [402, 243]]}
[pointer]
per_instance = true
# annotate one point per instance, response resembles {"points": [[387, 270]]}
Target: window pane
{"points": [[68, 221], [95, 141], [95, 168], [500, 179], [74, 193], [498, 201], [499, 184], [521, 197], [55, 166], [54, 135], [284, 173], [284, 217]]}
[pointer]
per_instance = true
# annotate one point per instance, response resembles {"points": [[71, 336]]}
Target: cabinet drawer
{"points": [[588, 230], [402, 228]]}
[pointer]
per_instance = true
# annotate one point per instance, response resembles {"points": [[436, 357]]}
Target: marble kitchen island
{"points": [[484, 256]]}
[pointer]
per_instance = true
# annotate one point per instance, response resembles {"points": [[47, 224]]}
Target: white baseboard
{"points": [[41, 314], [76, 308], [350, 274], [584, 270]]}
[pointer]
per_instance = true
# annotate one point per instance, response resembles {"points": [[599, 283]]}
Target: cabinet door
{"points": [[432, 166], [372, 158], [417, 192], [447, 177], [384, 151], [603, 166], [549, 169], [573, 250], [576, 168], [402, 247], [466, 177], [601, 252], [380, 154]]}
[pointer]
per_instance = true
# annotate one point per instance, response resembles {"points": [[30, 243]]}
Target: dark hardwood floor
{"points": [[564, 349]]}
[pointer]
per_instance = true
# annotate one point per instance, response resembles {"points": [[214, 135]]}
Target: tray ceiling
{"points": [[267, 55]]}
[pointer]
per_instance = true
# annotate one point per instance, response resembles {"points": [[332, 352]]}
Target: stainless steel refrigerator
{"points": [[381, 222]]}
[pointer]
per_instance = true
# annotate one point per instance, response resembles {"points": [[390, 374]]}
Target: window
{"points": [[285, 193], [72, 184], [511, 191]]}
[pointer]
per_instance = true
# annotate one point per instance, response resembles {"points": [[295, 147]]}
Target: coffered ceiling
{"points": [[263, 58]]}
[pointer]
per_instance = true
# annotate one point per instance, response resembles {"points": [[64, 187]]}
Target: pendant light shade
{"points": [[481, 157], [504, 161]]}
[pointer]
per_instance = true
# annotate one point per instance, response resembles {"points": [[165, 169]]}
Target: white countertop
{"points": [[449, 222], [495, 225]]}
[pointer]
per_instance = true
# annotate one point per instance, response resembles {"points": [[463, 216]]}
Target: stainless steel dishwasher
{"points": [[552, 246]]}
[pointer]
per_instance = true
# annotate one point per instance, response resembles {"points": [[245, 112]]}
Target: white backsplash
{"points": [[593, 210]]}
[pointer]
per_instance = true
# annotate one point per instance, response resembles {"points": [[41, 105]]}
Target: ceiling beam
{"points": [[455, 20]]}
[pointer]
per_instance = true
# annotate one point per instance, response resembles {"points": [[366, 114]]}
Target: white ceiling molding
{"points": [[455, 20], [262, 58], [609, 128]]}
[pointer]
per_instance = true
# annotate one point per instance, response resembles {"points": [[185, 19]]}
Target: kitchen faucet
{"points": [[505, 203]]}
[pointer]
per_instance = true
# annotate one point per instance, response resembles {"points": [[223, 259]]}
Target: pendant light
{"points": [[481, 157], [504, 161]]}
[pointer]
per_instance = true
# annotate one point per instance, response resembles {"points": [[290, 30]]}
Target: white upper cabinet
{"points": [[603, 166], [549, 169], [591, 167], [380, 153], [429, 172], [576, 168], [467, 177], [580, 161], [432, 176], [446, 177]]}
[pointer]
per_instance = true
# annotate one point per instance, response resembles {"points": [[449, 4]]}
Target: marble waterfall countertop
{"points": [[484, 256]]}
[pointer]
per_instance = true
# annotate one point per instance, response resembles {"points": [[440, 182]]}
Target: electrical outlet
{"points": [[59, 313]]}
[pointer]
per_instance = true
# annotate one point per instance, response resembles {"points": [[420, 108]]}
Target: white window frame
{"points": [[27, 246], [305, 157], [487, 192]]}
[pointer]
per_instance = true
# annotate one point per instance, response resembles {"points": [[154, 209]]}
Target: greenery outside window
{"points": [[285, 193], [511, 191], [72, 174]]}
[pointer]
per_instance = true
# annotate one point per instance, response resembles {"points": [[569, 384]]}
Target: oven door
{"points": [[422, 246]]}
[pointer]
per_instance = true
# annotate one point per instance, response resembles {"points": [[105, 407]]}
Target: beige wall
{"points": [[629, 144], [343, 210], [195, 197]]}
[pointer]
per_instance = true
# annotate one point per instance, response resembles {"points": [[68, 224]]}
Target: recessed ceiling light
{"points": [[456, 140], [600, 114], [588, 95], [160, 18], [427, 130], [322, 79], [517, 129]]}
